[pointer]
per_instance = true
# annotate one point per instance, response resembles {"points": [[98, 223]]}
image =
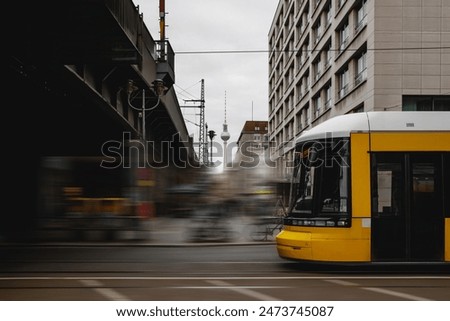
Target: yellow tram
{"points": [[371, 187]]}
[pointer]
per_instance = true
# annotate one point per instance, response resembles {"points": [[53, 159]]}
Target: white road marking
{"points": [[218, 281], [241, 290], [342, 282], [397, 294], [380, 290], [232, 286], [108, 293]]}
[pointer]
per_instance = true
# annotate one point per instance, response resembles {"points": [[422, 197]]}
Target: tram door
{"points": [[407, 207]]}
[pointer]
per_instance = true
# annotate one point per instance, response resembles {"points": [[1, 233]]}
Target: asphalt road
{"points": [[202, 272]]}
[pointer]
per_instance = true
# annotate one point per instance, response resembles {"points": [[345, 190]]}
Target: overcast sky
{"points": [[215, 25]]}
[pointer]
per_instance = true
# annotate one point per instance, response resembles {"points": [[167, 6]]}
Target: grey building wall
{"points": [[332, 57]]}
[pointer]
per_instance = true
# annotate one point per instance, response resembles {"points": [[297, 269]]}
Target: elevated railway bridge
{"points": [[69, 67]]}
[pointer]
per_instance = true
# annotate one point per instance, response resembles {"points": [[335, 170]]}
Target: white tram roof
{"points": [[343, 125]]}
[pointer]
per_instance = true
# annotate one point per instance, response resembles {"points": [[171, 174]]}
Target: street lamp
{"points": [[211, 134], [158, 89]]}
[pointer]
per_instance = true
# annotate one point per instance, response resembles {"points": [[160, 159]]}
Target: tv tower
{"points": [[225, 135]]}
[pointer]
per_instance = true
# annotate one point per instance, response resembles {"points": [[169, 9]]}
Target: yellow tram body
{"points": [[399, 170]]}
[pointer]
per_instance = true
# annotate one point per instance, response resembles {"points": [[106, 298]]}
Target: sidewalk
{"points": [[190, 231], [165, 231]]}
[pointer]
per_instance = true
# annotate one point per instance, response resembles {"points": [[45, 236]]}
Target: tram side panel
{"points": [[425, 159], [360, 190]]}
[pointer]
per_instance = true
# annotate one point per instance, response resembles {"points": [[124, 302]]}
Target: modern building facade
{"points": [[251, 167], [332, 57], [252, 144]]}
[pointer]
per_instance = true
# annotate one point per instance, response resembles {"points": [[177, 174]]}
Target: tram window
{"points": [[388, 190], [384, 180], [321, 181], [423, 178]]}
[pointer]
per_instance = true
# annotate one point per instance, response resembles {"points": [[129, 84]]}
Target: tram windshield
{"points": [[320, 185]]}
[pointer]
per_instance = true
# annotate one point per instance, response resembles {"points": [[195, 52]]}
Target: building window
{"points": [[317, 30], [361, 69], [329, 14], [343, 83], [301, 25], [305, 83], [301, 57], [358, 109], [298, 91], [344, 35], [426, 103], [328, 97], [317, 102], [361, 16], [317, 68], [299, 122], [306, 116], [328, 56], [299, 60], [305, 17], [290, 103]]}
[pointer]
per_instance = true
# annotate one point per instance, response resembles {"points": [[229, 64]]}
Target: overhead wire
{"points": [[253, 51], [184, 92]]}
